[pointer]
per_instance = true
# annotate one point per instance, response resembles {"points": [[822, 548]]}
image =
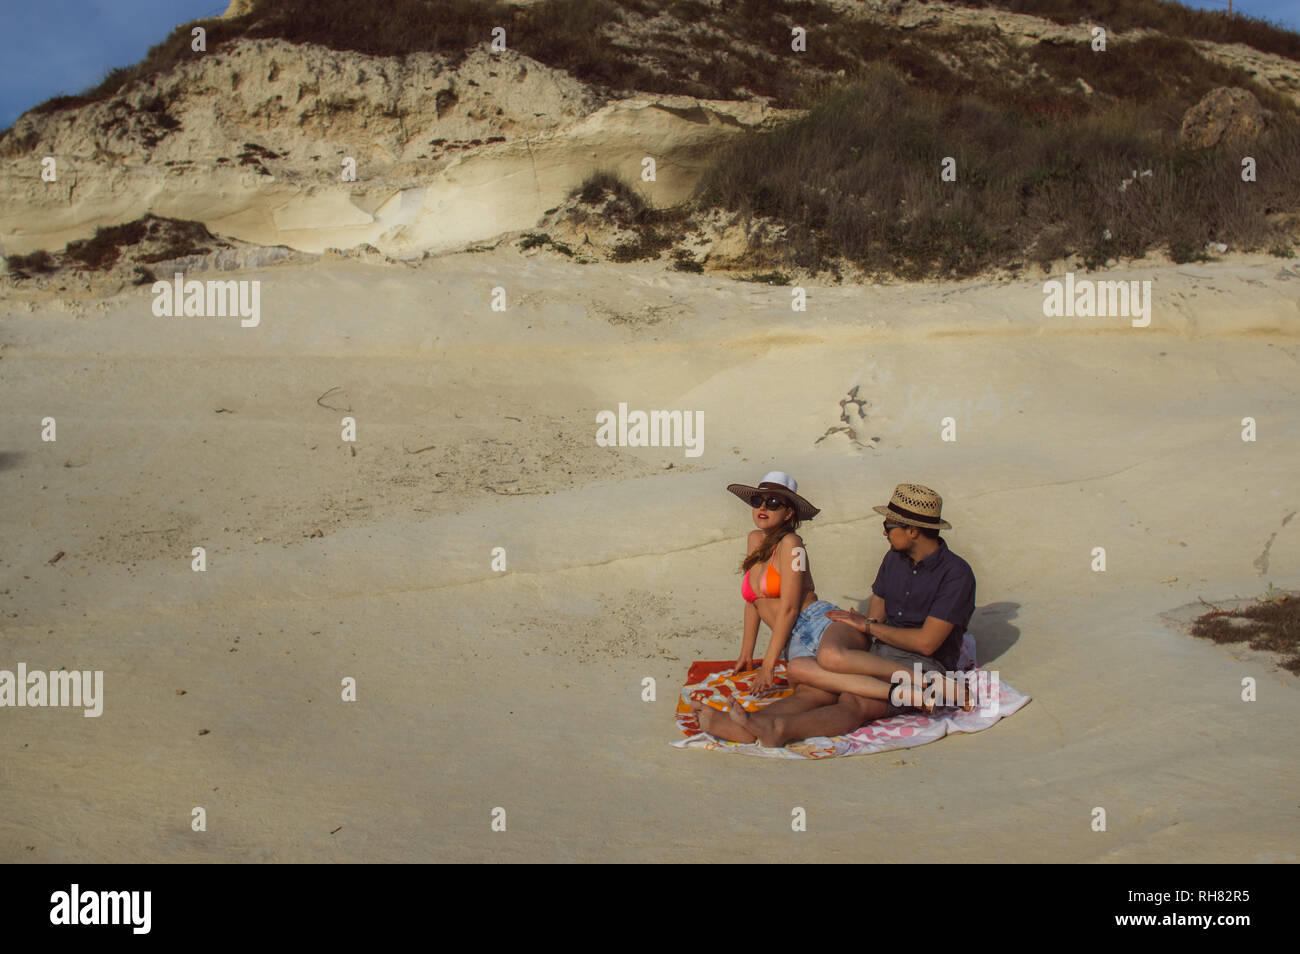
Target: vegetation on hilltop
{"points": [[733, 50], [859, 177], [1171, 19]]}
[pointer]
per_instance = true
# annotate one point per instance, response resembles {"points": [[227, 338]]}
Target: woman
{"points": [[778, 586]]}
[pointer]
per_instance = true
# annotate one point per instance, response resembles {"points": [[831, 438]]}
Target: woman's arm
{"points": [[746, 658], [787, 610], [749, 630]]}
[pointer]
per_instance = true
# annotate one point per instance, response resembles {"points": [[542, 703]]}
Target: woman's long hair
{"points": [[770, 539]]}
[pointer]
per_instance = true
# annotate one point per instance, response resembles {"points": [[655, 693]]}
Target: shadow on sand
{"points": [[994, 634]]}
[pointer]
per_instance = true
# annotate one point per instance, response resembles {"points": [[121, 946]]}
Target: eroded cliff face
{"points": [[259, 139], [256, 142], [295, 98]]}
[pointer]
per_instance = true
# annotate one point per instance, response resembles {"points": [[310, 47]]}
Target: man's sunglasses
{"points": [[773, 503], [895, 526]]}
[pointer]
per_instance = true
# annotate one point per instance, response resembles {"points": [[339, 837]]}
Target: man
{"points": [[923, 596], [922, 600]]}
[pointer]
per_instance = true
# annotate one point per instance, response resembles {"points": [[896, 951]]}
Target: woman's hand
{"points": [[744, 663], [765, 681], [852, 617]]}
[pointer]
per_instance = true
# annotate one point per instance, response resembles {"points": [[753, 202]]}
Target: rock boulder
{"points": [[1227, 113]]}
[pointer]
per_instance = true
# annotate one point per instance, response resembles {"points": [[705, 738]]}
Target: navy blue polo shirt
{"points": [[942, 585]]}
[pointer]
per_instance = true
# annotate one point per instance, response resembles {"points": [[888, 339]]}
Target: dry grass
{"points": [[1172, 19], [150, 239], [1271, 625], [739, 50], [39, 262], [859, 176]]}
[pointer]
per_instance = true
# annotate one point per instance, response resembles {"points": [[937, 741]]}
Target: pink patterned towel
{"points": [[721, 687]]}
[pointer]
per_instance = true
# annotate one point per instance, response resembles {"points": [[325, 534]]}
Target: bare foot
{"points": [[950, 695], [912, 696], [703, 712], [741, 717], [965, 690], [770, 729], [956, 692], [720, 727]]}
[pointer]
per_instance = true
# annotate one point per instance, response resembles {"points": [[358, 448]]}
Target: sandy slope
{"points": [[522, 689]]}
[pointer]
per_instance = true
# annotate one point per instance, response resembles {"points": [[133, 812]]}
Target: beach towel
{"points": [[720, 686]]}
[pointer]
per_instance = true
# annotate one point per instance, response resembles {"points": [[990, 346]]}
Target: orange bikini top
{"points": [[769, 585]]}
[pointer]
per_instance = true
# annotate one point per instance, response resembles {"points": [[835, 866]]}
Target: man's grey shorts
{"points": [[907, 659]]}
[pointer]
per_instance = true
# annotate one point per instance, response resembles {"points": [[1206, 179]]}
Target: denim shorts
{"points": [[808, 630]]}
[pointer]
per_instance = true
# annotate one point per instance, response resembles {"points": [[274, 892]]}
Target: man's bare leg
{"points": [[722, 725], [778, 729]]}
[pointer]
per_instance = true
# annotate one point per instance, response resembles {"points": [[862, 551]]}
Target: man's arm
{"points": [[956, 597], [925, 639]]}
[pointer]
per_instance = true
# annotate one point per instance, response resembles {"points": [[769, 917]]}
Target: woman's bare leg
{"points": [[842, 653], [846, 653], [809, 671]]}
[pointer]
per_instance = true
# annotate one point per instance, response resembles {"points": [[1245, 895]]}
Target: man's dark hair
{"points": [[929, 533]]}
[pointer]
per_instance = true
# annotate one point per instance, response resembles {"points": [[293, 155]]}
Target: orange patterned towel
{"points": [[716, 685]]}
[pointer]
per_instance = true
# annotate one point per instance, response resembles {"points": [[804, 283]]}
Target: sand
{"points": [[521, 689]]}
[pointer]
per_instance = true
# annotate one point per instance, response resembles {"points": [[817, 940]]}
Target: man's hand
{"points": [[852, 617]]}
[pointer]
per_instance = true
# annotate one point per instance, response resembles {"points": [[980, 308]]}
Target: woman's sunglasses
{"points": [[772, 503]]}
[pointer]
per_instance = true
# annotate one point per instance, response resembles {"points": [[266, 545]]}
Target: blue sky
{"points": [[1285, 12], [64, 46]]}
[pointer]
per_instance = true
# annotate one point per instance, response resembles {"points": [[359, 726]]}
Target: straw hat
{"points": [[781, 484], [915, 506]]}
